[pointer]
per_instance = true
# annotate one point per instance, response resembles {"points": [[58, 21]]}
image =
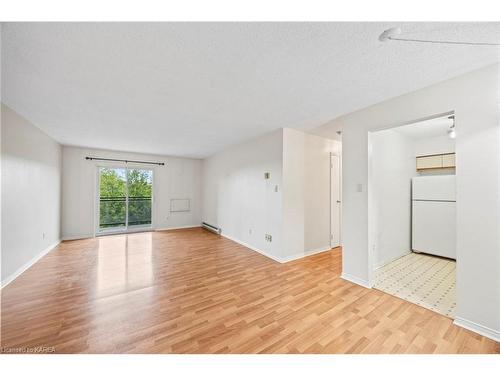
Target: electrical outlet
{"points": [[250, 231], [43, 235], [268, 237], [267, 175]]}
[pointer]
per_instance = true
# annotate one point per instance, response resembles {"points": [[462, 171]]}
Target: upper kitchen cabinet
{"points": [[438, 161]]}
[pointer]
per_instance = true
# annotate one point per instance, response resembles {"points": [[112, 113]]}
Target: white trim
{"points": [[279, 259], [135, 229], [356, 280], [28, 264], [477, 328], [183, 227], [252, 248], [77, 237], [306, 253]]}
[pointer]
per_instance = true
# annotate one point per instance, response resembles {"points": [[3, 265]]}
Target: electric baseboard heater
{"points": [[211, 228]]}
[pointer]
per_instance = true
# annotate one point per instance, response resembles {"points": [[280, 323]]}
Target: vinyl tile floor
{"points": [[422, 279]]}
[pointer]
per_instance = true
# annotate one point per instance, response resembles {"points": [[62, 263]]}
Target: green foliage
{"points": [[139, 183], [112, 183]]}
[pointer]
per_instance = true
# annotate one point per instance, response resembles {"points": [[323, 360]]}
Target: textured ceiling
{"points": [[192, 89], [427, 129]]}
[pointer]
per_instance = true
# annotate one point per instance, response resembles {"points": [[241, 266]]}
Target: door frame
{"points": [[372, 221], [333, 205], [126, 229]]}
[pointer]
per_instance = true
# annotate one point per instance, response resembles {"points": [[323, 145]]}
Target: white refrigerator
{"points": [[434, 215]]}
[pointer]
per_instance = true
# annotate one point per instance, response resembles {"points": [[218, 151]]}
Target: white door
{"points": [[335, 204]]}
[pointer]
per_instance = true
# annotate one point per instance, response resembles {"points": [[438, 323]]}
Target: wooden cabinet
{"points": [[449, 161], [429, 162], [436, 161]]}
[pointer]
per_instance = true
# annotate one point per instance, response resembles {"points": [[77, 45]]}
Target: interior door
{"points": [[335, 201]]}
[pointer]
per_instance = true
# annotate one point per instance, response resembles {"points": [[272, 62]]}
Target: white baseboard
{"points": [[477, 328], [252, 248], [306, 253], [275, 258], [84, 236], [28, 264], [356, 280], [78, 237], [173, 228]]}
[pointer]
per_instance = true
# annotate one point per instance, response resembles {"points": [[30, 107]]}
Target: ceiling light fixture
{"points": [[392, 34]]}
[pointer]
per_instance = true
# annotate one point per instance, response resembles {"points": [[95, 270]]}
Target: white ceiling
{"points": [[192, 89], [427, 129]]}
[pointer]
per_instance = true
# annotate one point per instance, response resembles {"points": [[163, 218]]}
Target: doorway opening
{"points": [[124, 199], [412, 213]]}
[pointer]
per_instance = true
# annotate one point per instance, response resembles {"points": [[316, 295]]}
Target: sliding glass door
{"points": [[124, 199], [140, 193]]}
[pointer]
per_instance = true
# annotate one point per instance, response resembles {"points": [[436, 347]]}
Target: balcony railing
{"points": [[113, 211]]}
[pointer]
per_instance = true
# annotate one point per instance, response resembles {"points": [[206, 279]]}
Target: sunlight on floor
{"points": [[124, 262]]}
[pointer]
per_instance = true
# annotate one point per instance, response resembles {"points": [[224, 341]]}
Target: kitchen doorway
{"points": [[412, 212]]}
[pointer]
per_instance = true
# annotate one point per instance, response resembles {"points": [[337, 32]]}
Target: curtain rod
{"points": [[125, 161]]}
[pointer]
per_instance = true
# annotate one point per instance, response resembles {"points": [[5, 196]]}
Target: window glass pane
{"points": [[140, 188], [112, 198]]}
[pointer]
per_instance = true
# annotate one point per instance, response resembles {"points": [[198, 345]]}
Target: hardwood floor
{"points": [[190, 291]]}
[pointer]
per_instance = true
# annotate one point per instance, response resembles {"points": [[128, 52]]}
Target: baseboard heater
{"points": [[211, 228]]}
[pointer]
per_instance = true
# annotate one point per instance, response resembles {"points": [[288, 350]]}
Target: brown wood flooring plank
{"points": [[190, 291]]}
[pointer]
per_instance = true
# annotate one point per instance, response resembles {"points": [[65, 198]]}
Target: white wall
{"points": [[475, 99], [293, 192], [392, 167], [31, 188], [306, 192], [238, 199], [434, 145], [1, 27], [178, 178]]}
